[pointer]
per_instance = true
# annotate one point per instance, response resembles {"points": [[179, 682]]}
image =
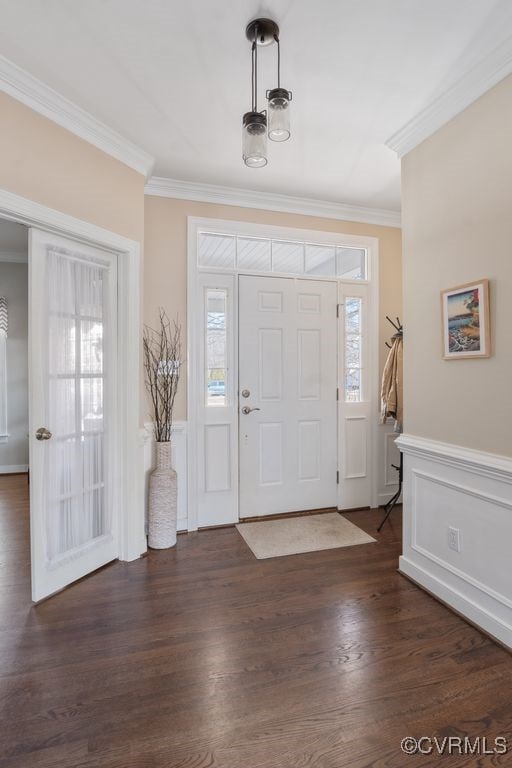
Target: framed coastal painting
{"points": [[465, 313]]}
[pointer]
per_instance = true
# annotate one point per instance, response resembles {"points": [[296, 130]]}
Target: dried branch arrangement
{"points": [[162, 367]]}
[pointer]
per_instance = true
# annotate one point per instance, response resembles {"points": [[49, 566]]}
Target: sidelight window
{"points": [[216, 346], [353, 357]]}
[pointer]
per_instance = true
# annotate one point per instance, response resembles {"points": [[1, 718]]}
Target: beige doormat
{"points": [[293, 535]]}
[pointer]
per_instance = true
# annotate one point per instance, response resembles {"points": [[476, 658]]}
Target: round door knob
{"points": [[43, 434], [247, 410]]}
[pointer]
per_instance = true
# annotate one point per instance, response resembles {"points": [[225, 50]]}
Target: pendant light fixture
{"points": [[262, 33], [279, 106]]}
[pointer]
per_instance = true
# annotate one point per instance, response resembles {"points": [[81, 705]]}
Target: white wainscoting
{"points": [[450, 486], [179, 462]]}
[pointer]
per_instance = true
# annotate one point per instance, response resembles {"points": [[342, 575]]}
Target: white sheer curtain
{"points": [[3, 368], [77, 493]]}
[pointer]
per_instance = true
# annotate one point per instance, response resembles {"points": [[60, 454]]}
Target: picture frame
{"points": [[465, 321]]}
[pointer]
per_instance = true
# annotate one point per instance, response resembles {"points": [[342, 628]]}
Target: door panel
{"points": [[288, 364], [72, 373], [355, 408]]}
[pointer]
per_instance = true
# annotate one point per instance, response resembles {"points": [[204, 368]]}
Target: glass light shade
{"points": [[254, 139], [279, 114]]}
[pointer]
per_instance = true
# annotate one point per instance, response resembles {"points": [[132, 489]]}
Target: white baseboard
{"points": [[452, 487], [475, 613], [383, 498], [13, 469]]}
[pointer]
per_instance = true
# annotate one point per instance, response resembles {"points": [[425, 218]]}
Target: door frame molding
{"points": [[132, 541], [243, 228]]}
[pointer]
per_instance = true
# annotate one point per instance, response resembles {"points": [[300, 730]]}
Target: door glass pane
{"points": [[216, 250], [320, 260], [62, 388], [253, 253], [91, 404], [287, 257], [216, 346], [353, 342], [351, 263], [91, 342], [65, 359], [77, 506], [352, 385]]}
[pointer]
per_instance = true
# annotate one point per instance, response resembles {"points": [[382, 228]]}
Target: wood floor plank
{"points": [[204, 657]]}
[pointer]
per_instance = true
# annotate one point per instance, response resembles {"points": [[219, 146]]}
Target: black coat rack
{"points": [[400, 469]]}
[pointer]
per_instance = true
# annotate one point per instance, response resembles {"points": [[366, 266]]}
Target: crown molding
{"points": [[489, 71], [27, 89], [13, 257], [158, 186]]}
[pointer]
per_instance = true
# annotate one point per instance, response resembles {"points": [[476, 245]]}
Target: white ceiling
{"points": [[174, 78]]}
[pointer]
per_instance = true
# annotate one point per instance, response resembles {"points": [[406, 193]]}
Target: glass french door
{"points": [[72, 371]]}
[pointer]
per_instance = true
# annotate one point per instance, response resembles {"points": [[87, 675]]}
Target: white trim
{"points": [[489, 71], [295, 234], [24, 211], [13, 469], [14, 257], [467, 491], [383, 498], [485, 464], [194, 225], [29, 213], [452, 486], [32, 92], [460, 602], [159, 186]]}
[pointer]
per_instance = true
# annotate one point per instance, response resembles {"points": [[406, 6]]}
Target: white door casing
{"points": [[288, 365], [130, 481], [72, 384], [219, 261]]}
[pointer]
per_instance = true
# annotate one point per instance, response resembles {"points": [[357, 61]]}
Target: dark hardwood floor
{"points": [[204, 657]]}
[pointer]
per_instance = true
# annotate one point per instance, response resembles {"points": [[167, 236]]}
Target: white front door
{"points": [[72, 373], [287, 395]]}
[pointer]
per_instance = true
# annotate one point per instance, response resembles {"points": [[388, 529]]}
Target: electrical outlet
{"points": [[454, 539]]}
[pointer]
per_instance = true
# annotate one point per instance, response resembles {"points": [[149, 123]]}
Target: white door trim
{"points": [[131, 467], [227, 227]]}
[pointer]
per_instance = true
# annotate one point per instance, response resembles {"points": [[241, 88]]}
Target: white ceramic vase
{"points": [[163, 500]]}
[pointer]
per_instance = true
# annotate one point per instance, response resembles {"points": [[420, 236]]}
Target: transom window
{"points": [[284, 257]]}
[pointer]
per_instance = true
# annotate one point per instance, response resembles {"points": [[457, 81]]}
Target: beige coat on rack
{"points": [[392, 390]]}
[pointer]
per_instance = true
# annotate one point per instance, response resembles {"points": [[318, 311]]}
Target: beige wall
{"points": [[165, 255], [457, 226], [45, 163]]}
